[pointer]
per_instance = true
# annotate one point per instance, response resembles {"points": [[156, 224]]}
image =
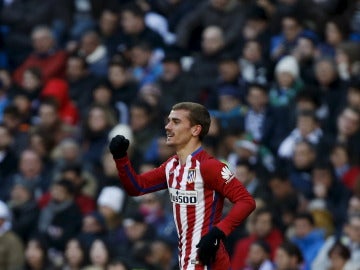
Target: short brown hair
{"points": [[198, 115]]}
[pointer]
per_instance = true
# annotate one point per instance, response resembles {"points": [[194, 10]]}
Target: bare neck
{"points": [[184, 151]]}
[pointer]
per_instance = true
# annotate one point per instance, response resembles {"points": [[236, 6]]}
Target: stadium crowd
{"points": [[281, 79]]}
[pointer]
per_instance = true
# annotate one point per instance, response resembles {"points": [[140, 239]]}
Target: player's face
{"points": [[178, 128]]}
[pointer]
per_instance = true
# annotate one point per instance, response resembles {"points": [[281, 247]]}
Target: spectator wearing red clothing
{"points": [[58, 89], [263, 228], [45, 56]]}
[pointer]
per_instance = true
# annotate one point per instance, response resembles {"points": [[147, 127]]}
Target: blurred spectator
{"points": [[145, 68], [347, 58], [97, 126], [60, 220], [93, 227], [162, 255], [288, 256], [36, 255], [118, 264], [21, 17], [228, 15], [252, 64], [45, 56], [134, 29], [31, 171], [81, 82], [339, 256], [287, 82], [350, 237], [307, 237], [96, 54], [100, 254], [4, 99], [24, 208], [285, 201], [75, 255], [307, 128], [264, 228], [12, 250], [8, 160], [259, 257]]}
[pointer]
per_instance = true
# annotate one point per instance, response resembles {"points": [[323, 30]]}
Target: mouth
{"points": [[169, 136]]}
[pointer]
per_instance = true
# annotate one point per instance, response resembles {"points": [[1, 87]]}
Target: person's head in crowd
{"points": [[110, 204], [136, 228], [23, 105], [228, 68], [117, 74], [150, 206], [48, 114], [100, 253], [347, 57], [353, 94], [287, 72], [171, 65], [336, 31], [141, 54], [43, 40], [257, 97], [32, 80], [339, 156], [245, 172], [118, 264], [62, 191], [246, 148], [256, 22], [36, 254], [141, 115], [323, 177], [12, 118], [259, 253], [291, 27], [75, 254], [102, 95], [280, 185], [338, 255], [132, 19], [219, 4], [73, 173], [100, 119], [41, 144], [5, 78], [325, 72], [30, 164], [307, 100], [353, 205], [69, 151], [151, 93], [348, 122], [76, 67], [306, 122], [304, 224], [21, 193], [108, 22], [306, 47], [5, 138], [263, 222], [89, 42], [352, 228], [304, 155], [288, 257], [94, 223], [161, 253], [229, 98], [212, 41], [252, 51]]}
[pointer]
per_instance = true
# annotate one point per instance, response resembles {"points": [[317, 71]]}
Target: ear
{"points": [[195, 130]]}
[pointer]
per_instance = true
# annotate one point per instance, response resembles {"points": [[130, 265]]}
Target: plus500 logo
{"points": [[188, 197]]}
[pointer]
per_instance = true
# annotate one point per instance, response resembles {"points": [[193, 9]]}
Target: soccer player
{"points": [[198, 184]]}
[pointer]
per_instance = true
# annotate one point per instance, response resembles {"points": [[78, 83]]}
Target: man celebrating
{"points": [[197, 183]]}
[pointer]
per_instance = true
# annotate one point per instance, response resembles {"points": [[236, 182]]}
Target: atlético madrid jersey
{"points": [[197, 190]]}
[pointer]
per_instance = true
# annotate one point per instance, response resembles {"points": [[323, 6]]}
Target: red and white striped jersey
{"points": [[197, 190]]}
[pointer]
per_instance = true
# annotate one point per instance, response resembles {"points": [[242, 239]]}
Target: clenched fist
{"points": [[118, 146]]}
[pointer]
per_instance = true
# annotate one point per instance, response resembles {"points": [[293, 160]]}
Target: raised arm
{"points": [[135, 184]]}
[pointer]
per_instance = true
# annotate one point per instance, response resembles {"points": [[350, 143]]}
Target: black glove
{"points": [[209, 244], [118, 146]]}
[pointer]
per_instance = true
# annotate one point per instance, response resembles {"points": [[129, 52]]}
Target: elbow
{"points": [[252, 204]]}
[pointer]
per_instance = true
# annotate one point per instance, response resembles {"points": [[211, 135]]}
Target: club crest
{"points": [[191, 176]]}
